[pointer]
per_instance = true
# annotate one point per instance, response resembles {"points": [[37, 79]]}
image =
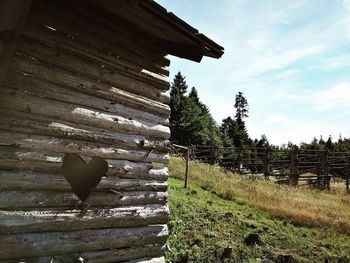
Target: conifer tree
{"points": [[178, 91], [241, 106], [190, 119]]}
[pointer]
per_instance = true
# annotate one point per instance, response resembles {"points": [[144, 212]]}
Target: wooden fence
{"points": [[299, 167]]}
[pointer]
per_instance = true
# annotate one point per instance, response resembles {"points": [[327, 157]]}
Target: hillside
{"points": [[211, 220]]}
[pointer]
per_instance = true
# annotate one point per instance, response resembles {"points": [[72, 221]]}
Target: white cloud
{"points": [[272, 118], [277, 61], [333, 63], [334, 98]]}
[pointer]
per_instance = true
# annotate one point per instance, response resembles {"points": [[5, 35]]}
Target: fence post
{"points": [[347, 174], [187, 165], [294, 169], [319, 169], [267, 163], [326, 170], [216, 155], [239, 159], [322, 171]]}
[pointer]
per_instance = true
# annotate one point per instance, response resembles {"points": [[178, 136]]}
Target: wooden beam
{"points": [[52, 144], [28, 180], [20, 101], [15, 222], [13, 14], [18, 199], [28, 123], [52, 243], [13, 158], [99, 256]]}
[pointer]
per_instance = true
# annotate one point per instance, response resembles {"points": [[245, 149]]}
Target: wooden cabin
{"points": [[87, 79]]}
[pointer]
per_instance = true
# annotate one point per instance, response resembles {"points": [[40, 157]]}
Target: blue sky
{"points": [[291, 59]]}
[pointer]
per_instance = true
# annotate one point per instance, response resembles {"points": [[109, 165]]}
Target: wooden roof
{"points": [[165, 30]]}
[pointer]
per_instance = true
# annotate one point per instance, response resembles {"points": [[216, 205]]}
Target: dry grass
{"points": [[302, 206]]}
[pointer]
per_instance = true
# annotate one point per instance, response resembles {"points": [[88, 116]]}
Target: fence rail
{"points": [[297, 167]]}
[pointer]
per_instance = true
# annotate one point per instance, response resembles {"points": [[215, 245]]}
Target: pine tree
{"points": [[241, 106], [190, 119], [177, 104], [329, 144]]}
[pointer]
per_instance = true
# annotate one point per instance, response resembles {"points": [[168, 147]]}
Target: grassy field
{"points": [[307, 207], [209, 223]]}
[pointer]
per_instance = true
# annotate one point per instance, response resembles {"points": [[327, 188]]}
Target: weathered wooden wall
{"points": [[80, 85]]}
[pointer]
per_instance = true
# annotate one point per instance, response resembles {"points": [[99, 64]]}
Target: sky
{"points": [[291, 60]]}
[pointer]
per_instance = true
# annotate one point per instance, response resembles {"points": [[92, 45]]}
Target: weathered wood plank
{"points": [[83, 30], [44, 89], [51, 243], [87, 22], [149, 260], [13, 158], [86, 67], [12, 17], [13, 222], [122, 34], [149, 102], [19, 199], [118, 256], [102, 256], [29, 180], [39, 125], [38, 35], [52, 144], [14, 100], [56, 59]]}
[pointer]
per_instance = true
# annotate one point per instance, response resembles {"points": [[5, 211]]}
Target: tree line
{"points": [[192, 124]]}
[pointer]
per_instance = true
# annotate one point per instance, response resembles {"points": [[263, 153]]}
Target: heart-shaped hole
{"points": [[83, 177]]}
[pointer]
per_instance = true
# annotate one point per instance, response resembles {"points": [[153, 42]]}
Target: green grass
{"points": [[329, 209], [206, 227]]}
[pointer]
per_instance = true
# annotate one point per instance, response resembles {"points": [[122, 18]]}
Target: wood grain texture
{"points": [[14, 100], [38, 125], [101, 256], [136, 98], [27, 49], [13, 14], [18, 199], [51, 243], [96, 36], [44, 89], [13, 158], [13, 222], [29, 180], [53, 144]]}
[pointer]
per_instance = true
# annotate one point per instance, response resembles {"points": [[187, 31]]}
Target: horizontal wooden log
{"points": [[147, 102], [83, 31], [51, 243], [102, 256], [33, 124], [99, 40], [149, 260], [13, 222], [45, 89], [12, 158], [55, 59], [18, 101], [126, 254], [52, 144], [28, 180], [122, 34], [19, 199]]}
